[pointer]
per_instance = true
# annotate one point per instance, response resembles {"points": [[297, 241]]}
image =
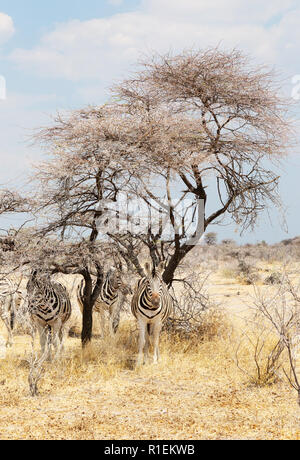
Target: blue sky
{"points": [[65, 54]]}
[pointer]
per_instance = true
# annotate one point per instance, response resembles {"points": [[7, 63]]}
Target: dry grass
{"points": [[195, 392]]}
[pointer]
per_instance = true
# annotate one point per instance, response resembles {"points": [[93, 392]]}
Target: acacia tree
{"points": [[181, 126], [92, 157], [85, 170], [11, 202], [213, 119]]}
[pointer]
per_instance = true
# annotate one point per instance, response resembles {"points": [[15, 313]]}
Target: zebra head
{"points": [[154, 283], [37, 282], [114, 278]]}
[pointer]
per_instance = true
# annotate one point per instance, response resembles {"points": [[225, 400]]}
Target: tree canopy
{"points": [[178, 124]]}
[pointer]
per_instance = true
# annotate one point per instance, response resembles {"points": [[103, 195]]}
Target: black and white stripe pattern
{"points": [[49, 307], [10, 300], [109, 300], [151, 305]]}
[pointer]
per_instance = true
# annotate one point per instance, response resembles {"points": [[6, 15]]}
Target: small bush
{"points": [[194, 315], [259, 356], [210, 238], [274, 278], [246, 273]]}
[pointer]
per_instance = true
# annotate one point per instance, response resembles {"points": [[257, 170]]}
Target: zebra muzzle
{"points": [[155, 299]]}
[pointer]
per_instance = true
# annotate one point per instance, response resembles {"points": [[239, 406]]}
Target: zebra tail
{"points": [[12, 319], [50, 334], [12, 314]]}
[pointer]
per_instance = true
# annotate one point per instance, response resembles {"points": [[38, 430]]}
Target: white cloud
{"points": [[104, 48], [6, 27], [115, 2], [216, 11], [93, 48]]}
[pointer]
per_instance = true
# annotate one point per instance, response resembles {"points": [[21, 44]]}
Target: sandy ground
{"points": [[195, 392]]}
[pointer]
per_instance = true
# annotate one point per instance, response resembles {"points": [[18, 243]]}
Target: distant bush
{"points": [[229, 242], [286, 242], [274, 278], [210, 238], [246, 273]]}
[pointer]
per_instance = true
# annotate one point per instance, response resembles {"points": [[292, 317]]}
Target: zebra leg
{"points": [[61, 335], [142, 340], [9, 340], [110, 325], [57, 335], [113, 320], [156, 332], [116, 322], [61, 338], [115, 314], [5, 316], [102, 322], [45, 340], [148, 333]]}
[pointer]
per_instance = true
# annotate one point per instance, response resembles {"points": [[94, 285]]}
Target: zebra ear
{"points": [[148, 268], [161, 267]]}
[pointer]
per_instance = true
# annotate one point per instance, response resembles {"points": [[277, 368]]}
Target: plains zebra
{"points": [[10, 300], [49, 307], [110, 300], [151, 305]]}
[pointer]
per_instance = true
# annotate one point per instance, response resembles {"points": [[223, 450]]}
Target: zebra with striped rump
{"points": [[49, 307], [10, 300], [151, 305], [110, 300]]}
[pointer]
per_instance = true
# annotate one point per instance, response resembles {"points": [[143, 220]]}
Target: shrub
{"points": [[259, 354], [194, 315], [246, 273], [274, 278]]}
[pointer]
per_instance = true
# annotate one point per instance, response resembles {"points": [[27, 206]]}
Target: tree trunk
{"points": [[87, 322], [175, 260], [90, 296], [87, 313]]}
